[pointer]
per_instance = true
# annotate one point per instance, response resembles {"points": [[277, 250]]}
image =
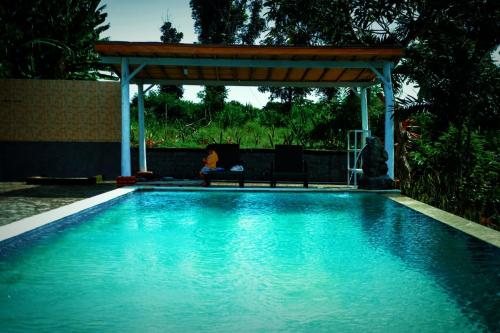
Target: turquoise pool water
{"points": [[250, 262]]}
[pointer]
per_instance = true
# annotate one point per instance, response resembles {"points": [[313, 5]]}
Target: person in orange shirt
{"points": [[210, 162]]}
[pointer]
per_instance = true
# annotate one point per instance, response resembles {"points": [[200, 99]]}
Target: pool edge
{"points": [[469, 227], [17, 228], [30, 223]]}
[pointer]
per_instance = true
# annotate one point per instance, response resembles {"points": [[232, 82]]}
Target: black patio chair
{"points": [[289, 165], [229, 156]]}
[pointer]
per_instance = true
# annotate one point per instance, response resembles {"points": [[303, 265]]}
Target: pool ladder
{"points": [[356, 142]]}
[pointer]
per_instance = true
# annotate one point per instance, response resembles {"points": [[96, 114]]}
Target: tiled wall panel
{"points": [[58, 110]]}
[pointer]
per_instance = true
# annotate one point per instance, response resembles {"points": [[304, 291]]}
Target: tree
{"points": [[225, 22], [170, 35], [50, 39], [448, 55], [305, 23]]}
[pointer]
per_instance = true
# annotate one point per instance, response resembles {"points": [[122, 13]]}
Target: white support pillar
{"points": [[364, 113], [125, 163], [389, 120], [142, 136]]}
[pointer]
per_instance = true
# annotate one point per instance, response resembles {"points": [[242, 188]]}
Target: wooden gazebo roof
{"points": [[236, 65]]}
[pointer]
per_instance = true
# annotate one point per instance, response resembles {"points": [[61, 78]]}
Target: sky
{"points": [[140, 21]]}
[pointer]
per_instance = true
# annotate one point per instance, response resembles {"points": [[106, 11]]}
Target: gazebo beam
{"points": [[255, 63], [308, 84]]}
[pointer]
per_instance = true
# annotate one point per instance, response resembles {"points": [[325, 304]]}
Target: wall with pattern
{"points": [[59, 111]]}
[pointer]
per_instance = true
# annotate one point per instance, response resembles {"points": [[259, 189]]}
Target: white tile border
{"points": [[474, 229], [36, 221]]}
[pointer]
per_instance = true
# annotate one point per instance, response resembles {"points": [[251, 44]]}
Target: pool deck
{"points": [[474, 229], [18, 200], [26, 207]]}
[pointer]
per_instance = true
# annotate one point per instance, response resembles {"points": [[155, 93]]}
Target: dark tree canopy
{"points": [[50, 39], [228, 21], [225, 22], [170, 35]]}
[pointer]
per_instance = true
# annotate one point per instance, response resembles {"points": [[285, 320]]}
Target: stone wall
{"points": [[59, 128], [19, 160], [84, 159], [328, 166]]}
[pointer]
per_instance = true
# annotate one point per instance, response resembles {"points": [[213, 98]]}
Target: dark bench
{"points": [[289, 165], [229, 156]]}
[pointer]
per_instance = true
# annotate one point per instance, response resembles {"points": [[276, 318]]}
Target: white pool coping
{"points": [[469, 227], [22, 226], [36, 221]]}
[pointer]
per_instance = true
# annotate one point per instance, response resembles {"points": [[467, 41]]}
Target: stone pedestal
{"points": [[375, 169]]}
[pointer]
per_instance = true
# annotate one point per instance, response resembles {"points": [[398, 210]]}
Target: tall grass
{"points": [[178, 135]]}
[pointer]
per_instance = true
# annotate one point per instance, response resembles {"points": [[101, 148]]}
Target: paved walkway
{"points": [[18, 200]]}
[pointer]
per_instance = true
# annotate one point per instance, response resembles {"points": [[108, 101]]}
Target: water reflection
{"points": [[467, 268]]}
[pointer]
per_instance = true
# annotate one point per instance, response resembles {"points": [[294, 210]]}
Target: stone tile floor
{"points": [[18, 200]]}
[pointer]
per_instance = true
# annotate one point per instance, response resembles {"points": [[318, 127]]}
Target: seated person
{"points": [[210, 162]]}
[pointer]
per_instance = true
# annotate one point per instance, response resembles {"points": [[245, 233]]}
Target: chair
{"points": [[289, 165], [229, 156]]}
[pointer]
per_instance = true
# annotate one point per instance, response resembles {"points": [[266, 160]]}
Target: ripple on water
{"points": [[280, 262]]}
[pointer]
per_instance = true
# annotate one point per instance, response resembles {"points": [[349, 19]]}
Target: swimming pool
{"points": [[225, 261]]}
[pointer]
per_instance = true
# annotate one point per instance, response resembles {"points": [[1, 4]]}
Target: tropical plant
{"points": [[449, 47], [50, 39]]}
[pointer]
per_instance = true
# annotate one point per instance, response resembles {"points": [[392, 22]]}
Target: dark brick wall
{"points": [[19, 160], [185, 163]]}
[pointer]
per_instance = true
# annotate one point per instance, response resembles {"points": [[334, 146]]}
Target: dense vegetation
{"points": [[172, 122], [50, 39], [447, 137]]}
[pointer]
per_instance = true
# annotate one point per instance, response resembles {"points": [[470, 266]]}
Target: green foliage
{"points": [[213, 100], [275, 115], [451, 162], [234, 114], [304, 22], [225, 22], [170, 35], [256, 24], [50, 39], [340, 113], [168, 108], [438, 175], [320, 125]]}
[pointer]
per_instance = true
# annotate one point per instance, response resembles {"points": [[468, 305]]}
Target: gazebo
{"points": [[237, 65]]}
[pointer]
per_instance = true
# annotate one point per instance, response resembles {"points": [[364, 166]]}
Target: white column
{"points": [[364, 113], [142, 139], [389, 120], [125, 170]]}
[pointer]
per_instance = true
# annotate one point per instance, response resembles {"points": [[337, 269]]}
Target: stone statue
{"points": [[375, 169]]}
